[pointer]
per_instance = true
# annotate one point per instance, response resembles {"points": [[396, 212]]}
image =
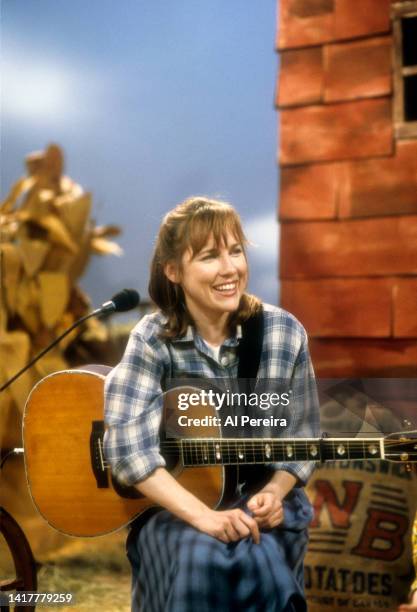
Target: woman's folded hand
{"points": [[227, 525], [267, 509]]}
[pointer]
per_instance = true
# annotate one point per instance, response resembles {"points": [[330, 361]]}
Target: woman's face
{"points": [[214, 279]]}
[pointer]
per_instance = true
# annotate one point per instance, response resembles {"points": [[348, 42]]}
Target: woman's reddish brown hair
{"points": [[189, 226]]}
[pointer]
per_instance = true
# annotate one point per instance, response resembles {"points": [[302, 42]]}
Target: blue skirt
{"points": [[176, 568]]}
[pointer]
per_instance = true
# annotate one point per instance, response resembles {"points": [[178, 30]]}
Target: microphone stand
{"points": [[120, 302], [50, 346], [103, 310], [125, 300]]}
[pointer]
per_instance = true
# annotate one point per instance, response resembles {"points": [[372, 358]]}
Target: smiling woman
{"points": [[213, 282], [249, 554], [206, 268]]}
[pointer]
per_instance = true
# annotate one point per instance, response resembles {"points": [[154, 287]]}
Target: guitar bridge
{"points": [[97, 456]]}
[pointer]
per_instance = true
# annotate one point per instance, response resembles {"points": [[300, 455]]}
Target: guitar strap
{"points": [[250, 350]]}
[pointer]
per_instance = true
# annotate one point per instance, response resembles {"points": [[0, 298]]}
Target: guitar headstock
{"points": [[401, 447]]}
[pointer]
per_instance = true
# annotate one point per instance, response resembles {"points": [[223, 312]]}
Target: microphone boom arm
{"points": [[120, 302], [50, 346]]}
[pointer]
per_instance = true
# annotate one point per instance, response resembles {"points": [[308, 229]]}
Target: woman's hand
{"points": [[267, 509], [227, 525]]}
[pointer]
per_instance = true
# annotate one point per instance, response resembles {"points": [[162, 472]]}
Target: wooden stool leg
{"points": [[24, 562]]}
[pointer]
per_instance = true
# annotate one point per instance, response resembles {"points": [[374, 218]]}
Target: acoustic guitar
{"points": [[70, 480]]}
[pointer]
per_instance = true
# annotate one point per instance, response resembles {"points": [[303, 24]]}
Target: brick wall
{"points": [[348, 191]]}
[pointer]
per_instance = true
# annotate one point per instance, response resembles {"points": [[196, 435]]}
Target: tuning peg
{"points": [[406, 424]]}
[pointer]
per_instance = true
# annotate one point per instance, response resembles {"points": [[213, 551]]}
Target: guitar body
{"points": [[70, 484]]}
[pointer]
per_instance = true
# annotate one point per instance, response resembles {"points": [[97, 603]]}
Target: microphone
{"points": [[125, 300], [121, 302]]}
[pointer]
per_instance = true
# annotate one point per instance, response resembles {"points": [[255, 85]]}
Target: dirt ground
{"points": [[96, 570]]}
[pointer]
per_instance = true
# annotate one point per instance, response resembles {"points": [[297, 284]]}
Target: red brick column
{"points": [[348, 191]]}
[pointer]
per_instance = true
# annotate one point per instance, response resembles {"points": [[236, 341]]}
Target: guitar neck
{"points": [[233, 451]]}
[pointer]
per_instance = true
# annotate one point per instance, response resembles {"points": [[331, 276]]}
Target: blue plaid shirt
{"points": [[134, 388]]}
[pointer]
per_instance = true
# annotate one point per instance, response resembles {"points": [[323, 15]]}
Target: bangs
{"points": [[217, 222]]}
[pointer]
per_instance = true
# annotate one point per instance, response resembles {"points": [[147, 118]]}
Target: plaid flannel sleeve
{"points": [[133, 406], [305, 411]]}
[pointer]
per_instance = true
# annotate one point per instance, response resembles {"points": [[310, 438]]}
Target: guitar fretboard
{"points": [[228, 451]]}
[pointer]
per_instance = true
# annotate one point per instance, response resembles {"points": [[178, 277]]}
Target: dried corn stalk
{"points": [[46, 240]]}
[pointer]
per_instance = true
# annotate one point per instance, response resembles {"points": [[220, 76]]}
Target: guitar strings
{"points": [[256, 446]]}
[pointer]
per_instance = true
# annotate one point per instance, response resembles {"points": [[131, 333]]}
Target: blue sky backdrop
{"points": [[151, 102]]}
